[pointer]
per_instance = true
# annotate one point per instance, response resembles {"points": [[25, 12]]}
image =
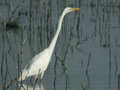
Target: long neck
{"points": [[53, 43]]}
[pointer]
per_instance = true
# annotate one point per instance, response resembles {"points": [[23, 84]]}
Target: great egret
{"points": [[40, 62]]}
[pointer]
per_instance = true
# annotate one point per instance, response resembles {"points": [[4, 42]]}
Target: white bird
{"points": [[40, 62]]}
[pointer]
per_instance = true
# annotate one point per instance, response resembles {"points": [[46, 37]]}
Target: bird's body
{"points": [[36, 67], [40, 62]]}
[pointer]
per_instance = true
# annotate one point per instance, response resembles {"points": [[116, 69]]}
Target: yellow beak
{"points": [[75, 9]]}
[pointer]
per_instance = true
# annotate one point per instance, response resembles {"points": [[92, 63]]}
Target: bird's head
{"points": [[69, 9]]}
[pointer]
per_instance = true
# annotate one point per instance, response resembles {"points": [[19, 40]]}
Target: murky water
{"points": [[86, 56]]}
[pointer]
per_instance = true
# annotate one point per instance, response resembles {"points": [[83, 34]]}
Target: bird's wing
{"points": [[33, 67]]}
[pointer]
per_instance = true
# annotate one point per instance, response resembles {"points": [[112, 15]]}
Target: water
{"points": [[86, 56]]}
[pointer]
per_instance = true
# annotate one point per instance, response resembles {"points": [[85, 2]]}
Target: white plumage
{"points": [[36, 66], [40, 62]]}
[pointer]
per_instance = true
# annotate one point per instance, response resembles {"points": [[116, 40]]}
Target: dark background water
{"points": [[88, 45]]}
